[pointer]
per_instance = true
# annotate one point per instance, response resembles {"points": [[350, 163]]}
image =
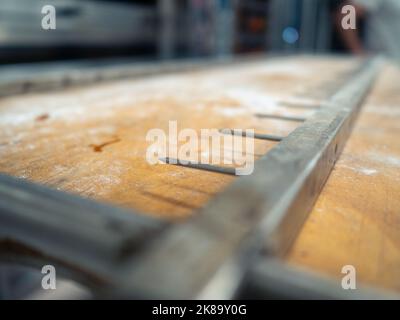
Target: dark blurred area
{"points": [[164, 29]]}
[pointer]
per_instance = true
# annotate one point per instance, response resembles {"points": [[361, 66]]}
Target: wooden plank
{"points": [[55, 138], [86, 240]]}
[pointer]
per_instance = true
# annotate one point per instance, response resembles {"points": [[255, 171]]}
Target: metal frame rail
{"points": [[232, 248]]}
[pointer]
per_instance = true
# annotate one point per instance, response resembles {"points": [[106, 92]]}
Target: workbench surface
{"points": [[91, 141]]}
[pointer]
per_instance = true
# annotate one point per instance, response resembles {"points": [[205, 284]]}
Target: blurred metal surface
{"points": [[269, 277]]}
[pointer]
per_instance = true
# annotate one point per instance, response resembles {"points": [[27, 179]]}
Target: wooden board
{"points": [[356, 220], [91, 141]]}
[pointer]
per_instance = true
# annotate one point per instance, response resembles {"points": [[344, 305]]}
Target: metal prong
{"points": [[279, 117], [299, 105], [260, 136], [200, 166]]}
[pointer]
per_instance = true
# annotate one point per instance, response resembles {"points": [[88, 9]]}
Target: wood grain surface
{"points": [[356, 220], [91, 140]]}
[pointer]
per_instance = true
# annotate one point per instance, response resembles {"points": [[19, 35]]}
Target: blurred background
{"points": [[165, 29]]}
